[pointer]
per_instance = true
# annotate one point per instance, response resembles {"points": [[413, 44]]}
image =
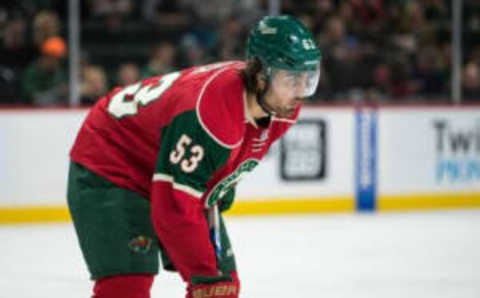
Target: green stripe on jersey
{"points": [[188, 154]]}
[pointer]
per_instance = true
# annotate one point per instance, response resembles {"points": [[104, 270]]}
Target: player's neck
{"points": [[254, 108]]}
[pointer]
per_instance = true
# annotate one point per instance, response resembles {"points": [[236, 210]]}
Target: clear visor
{"points": [[301, 83]]}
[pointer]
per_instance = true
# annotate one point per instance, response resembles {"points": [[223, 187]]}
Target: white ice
{"points": [[397, 255]]}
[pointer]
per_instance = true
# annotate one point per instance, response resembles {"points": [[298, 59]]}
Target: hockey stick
{"points": [[214, 225]]}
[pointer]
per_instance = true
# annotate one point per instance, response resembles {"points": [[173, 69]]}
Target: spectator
{"points": [[167, 13], [15, 54], [193, 52], [429, 77], [322, 9], [46, 24], [230, 35], [107, 7], [217, 11], [44, 81], [382, 82], [471, 82], [112, 12], [475, 54], [128, 74], [343, 58], [369, 12], [8, 85], [346, 13], [365, 39], [162, 60], [93, 85], [403, 86]]}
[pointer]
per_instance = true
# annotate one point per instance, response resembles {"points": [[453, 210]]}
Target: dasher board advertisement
{"points": [[314, 159], [434, 150]]}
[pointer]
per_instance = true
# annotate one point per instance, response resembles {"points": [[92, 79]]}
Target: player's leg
{"points": [[115, 234]]}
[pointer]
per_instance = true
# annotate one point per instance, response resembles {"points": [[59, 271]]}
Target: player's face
{"points": [[287, 89]]}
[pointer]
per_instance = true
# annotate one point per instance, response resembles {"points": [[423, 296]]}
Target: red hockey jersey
{"points": [[182, 140]]}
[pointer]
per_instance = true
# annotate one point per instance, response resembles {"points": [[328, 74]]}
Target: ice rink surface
{"points": [[394, 255]]}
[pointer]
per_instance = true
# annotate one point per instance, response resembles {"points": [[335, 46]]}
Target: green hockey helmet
{"points": [[284, 43]]}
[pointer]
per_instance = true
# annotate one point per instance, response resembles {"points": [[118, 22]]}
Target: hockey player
{"points": [[155, 163]]}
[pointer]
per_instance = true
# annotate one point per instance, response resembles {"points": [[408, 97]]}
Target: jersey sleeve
{"points": [[187, 159]]}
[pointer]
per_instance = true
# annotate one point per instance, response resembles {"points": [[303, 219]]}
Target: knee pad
{"points": [[123, 286], [223, 289]]}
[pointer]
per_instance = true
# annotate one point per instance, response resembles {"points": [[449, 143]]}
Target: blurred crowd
{"points": [[373, 50]]}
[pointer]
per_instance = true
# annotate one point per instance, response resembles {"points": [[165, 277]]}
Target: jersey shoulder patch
{"points": [[220, 107]]}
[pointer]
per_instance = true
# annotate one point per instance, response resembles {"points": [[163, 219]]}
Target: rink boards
{"points": [[334, 160]]}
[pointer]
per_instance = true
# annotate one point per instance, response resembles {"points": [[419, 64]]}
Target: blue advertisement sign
{"points": [[366, 159]]}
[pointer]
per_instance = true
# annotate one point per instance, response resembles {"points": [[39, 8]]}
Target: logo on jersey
{"points": [[140, 244], [230, 181]]}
